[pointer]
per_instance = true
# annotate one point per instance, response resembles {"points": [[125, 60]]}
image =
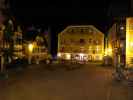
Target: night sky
{"points": [[65, 12]]}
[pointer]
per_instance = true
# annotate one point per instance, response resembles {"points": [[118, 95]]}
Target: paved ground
{"points": [[86, 82]]}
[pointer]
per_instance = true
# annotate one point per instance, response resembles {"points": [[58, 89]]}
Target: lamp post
{"points": [[30, 48]]}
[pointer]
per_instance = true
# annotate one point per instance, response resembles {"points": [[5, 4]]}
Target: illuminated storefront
{"points": [[81, 43]]}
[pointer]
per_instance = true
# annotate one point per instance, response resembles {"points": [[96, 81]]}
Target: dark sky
{"points": [[65, 12]]}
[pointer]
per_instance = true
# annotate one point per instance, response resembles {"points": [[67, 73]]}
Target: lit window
{"points": [[97, 58], [97, 49], [68, 56]]}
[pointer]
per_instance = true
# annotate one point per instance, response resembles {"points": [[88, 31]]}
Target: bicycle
{"points": [[120, 73]]}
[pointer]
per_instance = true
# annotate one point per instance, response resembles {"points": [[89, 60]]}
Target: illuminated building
{"points": [[36, 49], [129, 41], [116, 41], [18, 43], [112, 44], [83, 43]]}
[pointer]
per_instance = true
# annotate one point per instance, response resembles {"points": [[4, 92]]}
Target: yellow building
{"points": [[82, 43], [129, 41], [16, 40], [117, 41], [112, 46], [120, 40], [36, 49], [18, 43]]}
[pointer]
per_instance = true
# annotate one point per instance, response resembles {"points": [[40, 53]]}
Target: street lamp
{"points": [[122, 28], [30, 48]]}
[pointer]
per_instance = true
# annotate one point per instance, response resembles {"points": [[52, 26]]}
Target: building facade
{"points": [[18, 43], [36, 50], [3, 8], [129, 41], [82, 43], [117, 42]]}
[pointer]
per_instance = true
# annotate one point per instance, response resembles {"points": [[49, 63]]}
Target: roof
{"points": [[80, 26]]}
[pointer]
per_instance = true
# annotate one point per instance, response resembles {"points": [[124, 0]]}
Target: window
{"points": [[89, 57], [82, 41], [63, 41], [62, 49], [93, 51], [90, 30], [82, 30], [97, 42], [90, 40], [18, 41], [71, 40], [85, 30], [72, 30], [97, 58], [94, 42]]}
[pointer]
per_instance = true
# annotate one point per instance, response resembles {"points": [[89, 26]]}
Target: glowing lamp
{"points": [[68, 56], [121, 28], [30, 47], [81, 54], [59, 54]]}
